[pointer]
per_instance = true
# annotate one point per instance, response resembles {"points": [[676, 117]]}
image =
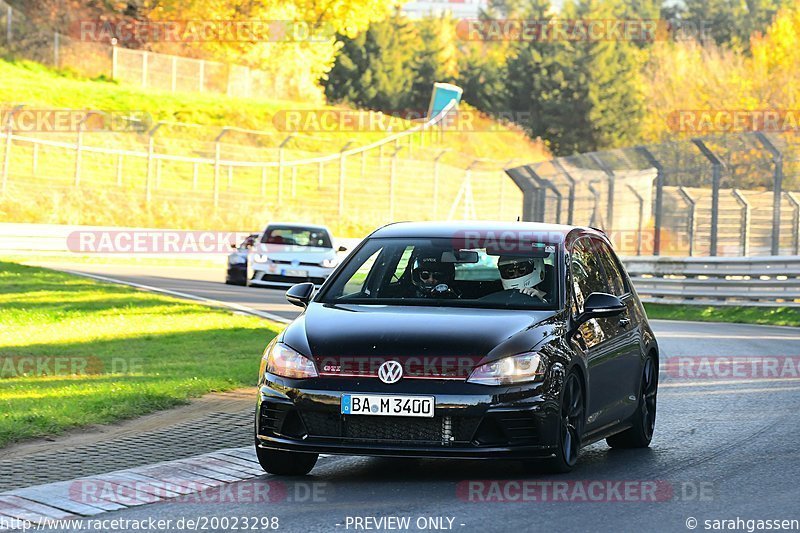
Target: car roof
{"points": [[545, 232], [296, 225]]}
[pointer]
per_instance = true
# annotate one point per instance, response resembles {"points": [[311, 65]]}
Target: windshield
{"points": [[297, 236], [438, 272]]}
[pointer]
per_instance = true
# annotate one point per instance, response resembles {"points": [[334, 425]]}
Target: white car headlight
{"points": [[237, 259], [329, 263], [282, 361], [509, 370], [260, 258]]}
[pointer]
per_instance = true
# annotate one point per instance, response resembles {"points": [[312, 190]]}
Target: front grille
{"points": [[301, 263], [437, 430]]}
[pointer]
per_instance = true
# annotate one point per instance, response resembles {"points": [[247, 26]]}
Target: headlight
{"points": [[329, 263], [237, 260], [260, 258], [509, 370], [282, 361]]}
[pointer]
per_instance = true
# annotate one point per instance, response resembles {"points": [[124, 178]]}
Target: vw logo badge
{"points": [[390, 372]]}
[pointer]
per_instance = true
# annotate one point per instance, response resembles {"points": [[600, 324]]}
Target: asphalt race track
{"points": [[726, 448]]}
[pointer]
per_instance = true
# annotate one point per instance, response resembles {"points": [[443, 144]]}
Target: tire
{"points": [[282, 463], [571, 423], [644, 419]]}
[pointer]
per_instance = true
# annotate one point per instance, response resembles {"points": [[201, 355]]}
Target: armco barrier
{"points": [[759, 281]]}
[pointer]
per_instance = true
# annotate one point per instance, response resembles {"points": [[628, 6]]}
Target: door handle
{"points": [[624, 322]]}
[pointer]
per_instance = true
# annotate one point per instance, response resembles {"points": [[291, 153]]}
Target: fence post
{"points": [[56, 50], [795, 222], [392, 173], [151, 149], [777, 191], [572, 183], [611, 191], [596, 194], [217, 157], [659, 207], [79, 149], [745, 233], [692, 220], [7, 157], [280, 165], [230, 176], [342, 172], [716, 169], [641, 216], [114, 59], [436, 184], [10, 14]]}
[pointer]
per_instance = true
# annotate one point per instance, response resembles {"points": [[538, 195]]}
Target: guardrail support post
{"points": [[593, 222], [571, 198], [659, 207], [716, 174], [692, 220], [795, 222], [777, 190], [611, 192], [745, 235]]}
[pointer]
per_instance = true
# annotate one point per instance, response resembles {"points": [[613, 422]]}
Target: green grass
{"points": [[136, 352], [771, 316]]}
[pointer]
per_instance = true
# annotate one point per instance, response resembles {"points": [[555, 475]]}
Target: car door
{"points": [[597, 336], [622, 334]]}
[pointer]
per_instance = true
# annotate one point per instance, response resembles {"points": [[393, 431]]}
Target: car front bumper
{"points": [[474, 423], [276, 275]]}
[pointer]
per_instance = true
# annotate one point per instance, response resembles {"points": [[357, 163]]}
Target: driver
{"points": [[522, 274], [431, 277]]}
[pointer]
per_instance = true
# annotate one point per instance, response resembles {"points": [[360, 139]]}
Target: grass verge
{"points": [[74, 352], [770, 316]]}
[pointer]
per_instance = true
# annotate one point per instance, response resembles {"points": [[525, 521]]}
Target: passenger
{"points": [[522, 274]]}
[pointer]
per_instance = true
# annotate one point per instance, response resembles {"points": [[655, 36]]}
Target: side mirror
{"points": [[343, 248], [300, 294], [600, 304], [233, 245]]}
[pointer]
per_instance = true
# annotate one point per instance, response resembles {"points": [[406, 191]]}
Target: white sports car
{"points": [[293, 253]]}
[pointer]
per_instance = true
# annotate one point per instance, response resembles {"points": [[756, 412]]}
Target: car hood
{"points": [[357, 338]]}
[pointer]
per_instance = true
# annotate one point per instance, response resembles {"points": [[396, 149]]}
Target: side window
{"points": [[615, 279], [402, 263], [587, 273], [355, 285]]}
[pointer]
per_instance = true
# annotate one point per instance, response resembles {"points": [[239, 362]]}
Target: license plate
{"points": [[295, 273], [384, 405]]}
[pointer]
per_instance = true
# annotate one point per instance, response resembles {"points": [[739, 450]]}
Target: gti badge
{"points": [[390, 372]]}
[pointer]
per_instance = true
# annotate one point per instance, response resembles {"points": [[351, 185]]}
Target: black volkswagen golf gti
{"points": [[470, 340]]}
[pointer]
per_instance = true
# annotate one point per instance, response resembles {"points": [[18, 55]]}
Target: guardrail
{"points": [[750, 281]]}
